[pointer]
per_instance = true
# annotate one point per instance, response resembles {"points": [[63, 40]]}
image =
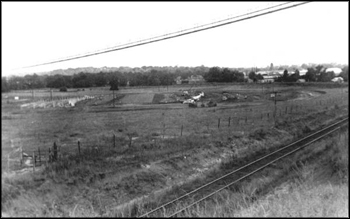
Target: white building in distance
{"points": [[336, 71]]}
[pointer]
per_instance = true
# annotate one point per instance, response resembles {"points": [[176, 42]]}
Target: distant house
{"points": [[268, 79], [184, 81], [302, 72], [195, 79], [336, 71], [280, 72], [262, 73], [338, 79], [301, 80], [275, 74]]}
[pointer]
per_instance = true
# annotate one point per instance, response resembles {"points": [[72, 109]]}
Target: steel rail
{"points": [[251, 173], [247, 165]]}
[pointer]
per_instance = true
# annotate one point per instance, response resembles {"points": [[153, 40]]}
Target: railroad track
{"points": [[186, 201]]}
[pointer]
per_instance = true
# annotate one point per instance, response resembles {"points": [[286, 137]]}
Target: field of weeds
{"points": [[154, 149], [311, 183]]}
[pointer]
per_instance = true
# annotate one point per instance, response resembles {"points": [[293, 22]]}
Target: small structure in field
{"points": [[189, 101], [338, 80], [194, 98]]}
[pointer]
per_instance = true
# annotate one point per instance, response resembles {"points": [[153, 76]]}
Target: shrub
{"points": [[63, 89], [193, 105]]}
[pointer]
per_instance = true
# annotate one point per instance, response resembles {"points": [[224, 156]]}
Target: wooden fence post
{"points": [[33, 161], [59, 152], [8, 163], [21, 155], [114, 140], [182, 126], [50, 155], [54, 151], [79, 147], [39, 155], [229, 121], [219, 123]]}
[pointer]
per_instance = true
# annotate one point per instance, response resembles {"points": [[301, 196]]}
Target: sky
{"points": [[38, 32]]}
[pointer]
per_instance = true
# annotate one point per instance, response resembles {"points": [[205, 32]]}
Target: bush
{"points": [[212, 103], [193, 105], [63, 89]]}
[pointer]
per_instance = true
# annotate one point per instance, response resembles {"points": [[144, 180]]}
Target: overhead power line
{"points": [[183, 32]]}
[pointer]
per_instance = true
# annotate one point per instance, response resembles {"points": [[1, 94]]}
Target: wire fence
{"points": [[244, 119]]}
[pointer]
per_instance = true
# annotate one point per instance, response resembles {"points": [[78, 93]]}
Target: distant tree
{"points": [[226, 75], [320, 68], [259, 77], [5, 87], [100, 79], [238, 76], [304, 66], [326, 76], [154, 78], [58, 81], [213, 75], [82, 79], [114, 84], [252, 75], [17, 83], [345, 73], [293, 78], [310, 74], [285, 75], [34, 81]]}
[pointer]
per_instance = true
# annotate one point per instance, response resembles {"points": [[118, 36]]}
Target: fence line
{"points": [[241, 121]]}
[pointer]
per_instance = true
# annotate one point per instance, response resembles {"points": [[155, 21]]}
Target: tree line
{"points": [[313, 74], [125, 76], [217, 74], [152, 76]]}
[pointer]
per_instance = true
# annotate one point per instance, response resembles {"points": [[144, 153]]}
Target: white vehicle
{"points": [[194, 99], [198, 96]]}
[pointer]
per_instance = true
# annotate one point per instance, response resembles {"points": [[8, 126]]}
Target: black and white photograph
{"points": [[174, 109]]}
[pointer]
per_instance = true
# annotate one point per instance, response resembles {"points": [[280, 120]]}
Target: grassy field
{"points": [[157, 145], [91, 124]]}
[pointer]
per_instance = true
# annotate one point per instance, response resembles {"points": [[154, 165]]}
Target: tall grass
{"points": [[309, 193]]}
